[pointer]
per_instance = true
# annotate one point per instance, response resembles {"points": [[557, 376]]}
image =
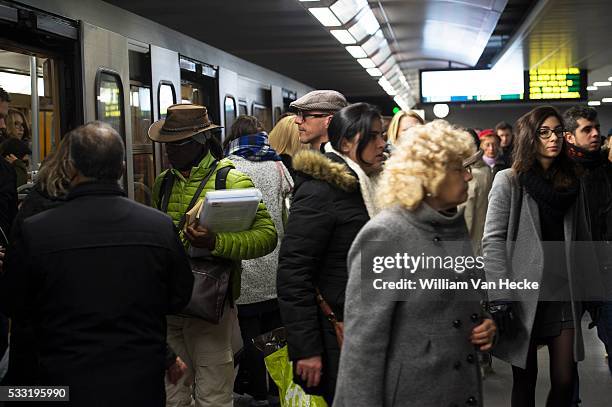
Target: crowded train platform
{"points": [[291, 203]]}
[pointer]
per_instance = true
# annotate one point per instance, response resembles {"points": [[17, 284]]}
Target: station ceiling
{"points": [[423, 34]]}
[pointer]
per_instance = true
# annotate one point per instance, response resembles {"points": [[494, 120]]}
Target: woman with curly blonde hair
{"points": [[396, 345]]}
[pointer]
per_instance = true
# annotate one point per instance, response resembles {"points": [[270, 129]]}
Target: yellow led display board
{"points": [[559, 83]]}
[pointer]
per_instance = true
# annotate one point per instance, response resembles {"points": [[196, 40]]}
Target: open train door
{"points": [[166, 87], [106, 87]]}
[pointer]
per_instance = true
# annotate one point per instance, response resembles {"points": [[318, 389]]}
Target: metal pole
{"points": [[35, 159]]}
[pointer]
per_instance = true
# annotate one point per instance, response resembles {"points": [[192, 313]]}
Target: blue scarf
{"points": [[253, 147]]}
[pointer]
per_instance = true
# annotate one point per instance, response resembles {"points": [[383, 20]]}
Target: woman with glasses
{"points": [[416, 347], [333, 199], [533, 211], [17, 126]]}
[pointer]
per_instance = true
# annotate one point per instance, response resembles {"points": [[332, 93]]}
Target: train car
{"points": [[93, 63]]}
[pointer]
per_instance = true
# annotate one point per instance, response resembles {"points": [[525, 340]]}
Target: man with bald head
{"points": [[97, 276]]}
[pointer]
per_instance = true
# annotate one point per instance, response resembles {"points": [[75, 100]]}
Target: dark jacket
{"points": [[326, 214], [97, 276], [8, 199]]}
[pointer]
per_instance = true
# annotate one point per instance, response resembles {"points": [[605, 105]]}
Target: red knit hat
{"points": [[486, 133]]}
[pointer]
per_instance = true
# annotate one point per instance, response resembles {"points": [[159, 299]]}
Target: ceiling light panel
{"points": [[591, 88], [594, 103], [343, 36], [602, 84], [377, 72], [384, 52], [365, 25], [325, 16], [366, 63], [346, 10], [356, 51], [373, 43]]}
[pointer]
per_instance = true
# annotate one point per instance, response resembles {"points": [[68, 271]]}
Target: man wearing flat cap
{"points": [[197, 160], [314, 112]]}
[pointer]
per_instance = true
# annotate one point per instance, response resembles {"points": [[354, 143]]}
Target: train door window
{"points": [[33, 119], [277, 114], [109, 107], [242, 108], [142, 147], [263, 114], [288, 97], [166, 97], [199, 85], [230, 112]]}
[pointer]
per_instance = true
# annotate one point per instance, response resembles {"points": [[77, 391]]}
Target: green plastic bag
{"points": [[291, 395]]}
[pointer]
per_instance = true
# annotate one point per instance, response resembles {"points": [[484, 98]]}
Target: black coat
{"points": [[326, 214], [97, 276], [8, 199]]}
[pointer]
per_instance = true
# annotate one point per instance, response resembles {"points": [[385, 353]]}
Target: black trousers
{"points": [[255, 319]]}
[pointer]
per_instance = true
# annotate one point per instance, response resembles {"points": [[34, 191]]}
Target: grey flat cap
{"points": [[326, 100]]}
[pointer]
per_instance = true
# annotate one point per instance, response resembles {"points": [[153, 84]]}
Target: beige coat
{"points": [[475, 208]]}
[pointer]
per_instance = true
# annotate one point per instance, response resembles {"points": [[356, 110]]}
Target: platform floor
{"points": [[595, 378]]}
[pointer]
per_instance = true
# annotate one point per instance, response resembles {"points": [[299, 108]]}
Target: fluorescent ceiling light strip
{"points": [[594, 103], [343, 36], [346, 10], [366, 63], [607, 100], [602, 83], [591, 87], [377, 72], [356, 51], [368, 21], [325, 16]]}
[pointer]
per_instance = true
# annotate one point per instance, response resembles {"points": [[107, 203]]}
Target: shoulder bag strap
{"points": [[166, 191], [221, 179], [197, 195]]}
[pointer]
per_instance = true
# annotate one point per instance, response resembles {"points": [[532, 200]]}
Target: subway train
{"points": [[92, 64]]}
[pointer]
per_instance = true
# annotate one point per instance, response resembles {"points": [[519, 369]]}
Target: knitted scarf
{"points": [[587, 159], [253, 147], [552, 202]]}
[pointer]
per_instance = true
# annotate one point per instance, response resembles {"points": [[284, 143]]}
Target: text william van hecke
{"points": [[449, 284]]}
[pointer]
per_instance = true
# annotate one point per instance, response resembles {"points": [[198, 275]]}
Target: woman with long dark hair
{"points": [[333, 199], [534, 209]]}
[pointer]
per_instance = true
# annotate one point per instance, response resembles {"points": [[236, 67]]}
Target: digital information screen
{"points": [[553, 84], [471, 85]]}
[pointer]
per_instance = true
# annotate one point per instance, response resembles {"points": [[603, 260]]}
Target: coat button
{"points": [[436, 239], [470, 358], [456, 323], [471, 401], [457, 365], [475, 317]]}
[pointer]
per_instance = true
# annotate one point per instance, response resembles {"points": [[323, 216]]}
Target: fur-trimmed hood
{"points": [[328, 167]]}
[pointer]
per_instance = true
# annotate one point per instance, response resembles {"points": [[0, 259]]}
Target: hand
{"points": [[483, 334], [309, 370], [200, 237], [176, 371], [10, 158]]}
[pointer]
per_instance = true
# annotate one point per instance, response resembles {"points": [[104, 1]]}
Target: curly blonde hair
{"points": [[420, 163]]}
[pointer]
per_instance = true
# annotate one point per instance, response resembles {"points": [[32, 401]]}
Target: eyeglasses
{"points": [[304, 115], [546, 133]]}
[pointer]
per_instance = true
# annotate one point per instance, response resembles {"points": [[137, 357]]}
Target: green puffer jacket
{"points": [[255, 242]]}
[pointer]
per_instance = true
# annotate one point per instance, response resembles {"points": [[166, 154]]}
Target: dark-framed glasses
{"points": [[546, 133], [306, 115]]}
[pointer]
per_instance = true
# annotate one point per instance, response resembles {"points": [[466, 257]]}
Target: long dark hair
{"points": [[243, 126], [350, 121], [561, 172]]}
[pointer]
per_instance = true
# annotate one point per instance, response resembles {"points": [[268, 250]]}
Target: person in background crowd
{"points": [[17, 126], [531, 206], [8, 210], [194, 154], [17, 153], [401, 122], [489, 143], [504, 132], [474, 135], [247, 147], [85, 338], [395, 350], [333, 199], [584, 148], [285, 140], [314, 112]]}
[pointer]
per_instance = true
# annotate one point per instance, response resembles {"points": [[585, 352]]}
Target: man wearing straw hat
{"points": [[196, 157]]}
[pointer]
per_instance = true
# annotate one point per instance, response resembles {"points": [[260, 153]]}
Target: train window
{"points": [[242, 108], [109, 106], [263, 114], [142, 147], [166, 96], [230, 112]]}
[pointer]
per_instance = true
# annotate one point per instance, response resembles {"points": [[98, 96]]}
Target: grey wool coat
{"points": [[415, 352], [513, 249]]}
